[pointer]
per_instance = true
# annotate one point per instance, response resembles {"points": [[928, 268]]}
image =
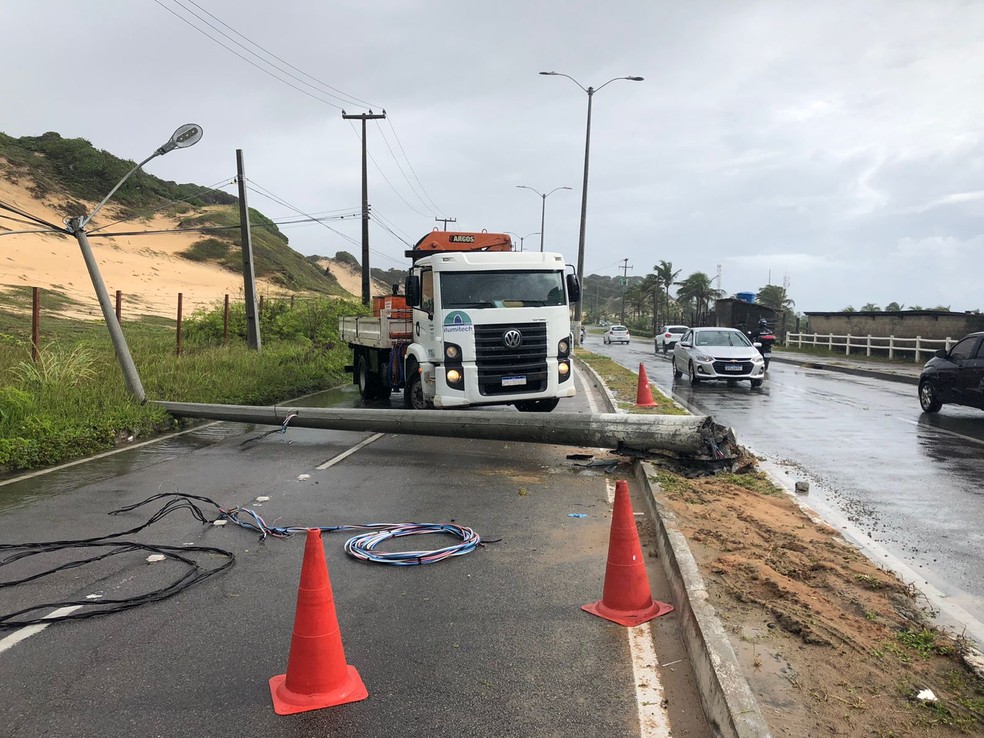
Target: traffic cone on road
{"points": [[627, 599], [317, 675], [644, 395]]}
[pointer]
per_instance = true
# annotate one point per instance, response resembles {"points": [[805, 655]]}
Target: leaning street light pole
{"points": [[543, 210], [187, 135], [584, 189]]}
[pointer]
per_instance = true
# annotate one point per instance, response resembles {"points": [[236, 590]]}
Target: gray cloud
{"points": [[837, 144]]}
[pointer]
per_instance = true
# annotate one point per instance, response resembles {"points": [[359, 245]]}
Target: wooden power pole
{"points": [[365, 200]]}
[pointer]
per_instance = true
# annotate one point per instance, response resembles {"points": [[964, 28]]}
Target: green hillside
{"points": [[71, 172]]}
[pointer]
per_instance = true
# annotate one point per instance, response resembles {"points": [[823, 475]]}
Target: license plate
{"points": [[732, 367], [513, 381]]}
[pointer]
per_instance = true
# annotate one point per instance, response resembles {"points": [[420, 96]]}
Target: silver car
{"points": [[717, 353]]}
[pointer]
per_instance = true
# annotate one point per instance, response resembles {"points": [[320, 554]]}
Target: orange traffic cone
{"points": [[644, 395], [317, 675], [626, 599]]}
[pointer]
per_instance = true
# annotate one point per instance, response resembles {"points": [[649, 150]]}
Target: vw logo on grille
{"points": [[512, 338]]}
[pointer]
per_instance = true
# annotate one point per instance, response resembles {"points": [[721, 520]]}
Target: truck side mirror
{"points": [[573, 288], [412, 288]]}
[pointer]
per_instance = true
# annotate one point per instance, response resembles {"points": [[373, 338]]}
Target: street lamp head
{"points": [[635, 79], [187, 135], [549, 74]]}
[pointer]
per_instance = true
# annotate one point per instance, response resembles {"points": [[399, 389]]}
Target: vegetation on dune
{"points": [[273, 259], [70, 172], [74, 166]]}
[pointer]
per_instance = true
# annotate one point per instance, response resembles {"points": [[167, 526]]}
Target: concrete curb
{"points": [[728, 702], [843, 369], [725, 696]]}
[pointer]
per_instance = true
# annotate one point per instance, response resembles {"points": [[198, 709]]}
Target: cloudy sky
{"points": [[833, 147]]}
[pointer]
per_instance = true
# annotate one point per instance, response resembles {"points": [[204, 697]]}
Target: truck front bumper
{"points": [[446, 396]]}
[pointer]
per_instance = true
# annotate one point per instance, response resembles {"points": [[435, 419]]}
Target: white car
{"points": [[617, 334], [668, 336], [717, 353]]}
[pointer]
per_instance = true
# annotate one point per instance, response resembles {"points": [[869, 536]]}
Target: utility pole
{"points": [[625, 281], [445, 221], [249, 276], [365, 200]]}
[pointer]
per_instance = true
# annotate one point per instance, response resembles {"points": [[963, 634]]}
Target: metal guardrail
{"points": [[871, 345]]}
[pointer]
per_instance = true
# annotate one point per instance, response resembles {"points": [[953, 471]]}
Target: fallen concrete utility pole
{"points": [[696, 437]]}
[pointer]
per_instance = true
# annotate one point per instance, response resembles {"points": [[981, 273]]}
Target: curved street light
{"points": [[523, 238], [584, 187], [543, 210], [187, 135]]}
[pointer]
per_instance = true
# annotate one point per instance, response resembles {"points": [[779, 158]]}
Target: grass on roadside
{"points": [[624, 385], [73, 401]]}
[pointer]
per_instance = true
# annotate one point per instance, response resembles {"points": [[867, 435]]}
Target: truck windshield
{"points": [[498, 289]]}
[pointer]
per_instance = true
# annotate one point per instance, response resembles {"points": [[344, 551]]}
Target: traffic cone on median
{"points": [[317, 675], [644, 395], [627, 599]]}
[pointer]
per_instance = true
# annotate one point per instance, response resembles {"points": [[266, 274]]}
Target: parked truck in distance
{"points": [[479, 324]]}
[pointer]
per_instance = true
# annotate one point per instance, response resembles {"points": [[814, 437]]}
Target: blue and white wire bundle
{"points": [[363, 546]]}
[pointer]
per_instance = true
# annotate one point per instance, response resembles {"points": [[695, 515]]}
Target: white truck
{"points": [[480, 324]]}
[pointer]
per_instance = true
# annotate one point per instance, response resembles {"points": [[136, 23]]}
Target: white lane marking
{"points": [[943, 431], [345, 454], [28, 630], [653, 720], [592, 405], [87, 459]]}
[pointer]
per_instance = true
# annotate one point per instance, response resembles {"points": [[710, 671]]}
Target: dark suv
{"points": [[954, 377]]}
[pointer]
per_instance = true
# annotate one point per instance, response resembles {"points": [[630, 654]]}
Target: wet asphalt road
{"points": [[490, 643], [903, 484]]}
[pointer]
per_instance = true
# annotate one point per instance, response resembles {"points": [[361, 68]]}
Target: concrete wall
{"points": [[905, 324]]}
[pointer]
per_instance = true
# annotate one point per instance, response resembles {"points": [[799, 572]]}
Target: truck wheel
{"points": [[537, 406], [365, 380], [413, 391]]}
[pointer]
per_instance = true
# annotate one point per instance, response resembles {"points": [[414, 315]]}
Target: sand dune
{"points": [[146, 269]]}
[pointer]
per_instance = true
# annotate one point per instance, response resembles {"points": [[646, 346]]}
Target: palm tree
{"points": [[666, 277], [698, 292], [894, 307], [651, 287], [870, 307], [638, 299], [774, 296]]}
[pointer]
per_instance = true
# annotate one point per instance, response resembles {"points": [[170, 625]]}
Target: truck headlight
{"points": [[454, 376], [563, 347], [452, 351], [563, 368]]}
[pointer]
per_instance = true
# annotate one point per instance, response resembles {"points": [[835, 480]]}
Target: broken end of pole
{"points": [[718, 450]]}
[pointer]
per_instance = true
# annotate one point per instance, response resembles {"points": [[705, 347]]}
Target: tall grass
{"points": [[73, 401]]}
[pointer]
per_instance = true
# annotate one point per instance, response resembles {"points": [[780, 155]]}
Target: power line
{"points": [[321, 87], [400, 167], [341, 94], [386, 179], [218, 185], [422, 188], [266, 193], [32, 218], [249, 61]]}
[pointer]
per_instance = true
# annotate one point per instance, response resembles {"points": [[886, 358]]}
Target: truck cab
{"points": [[479, 324], [489, 327]]}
